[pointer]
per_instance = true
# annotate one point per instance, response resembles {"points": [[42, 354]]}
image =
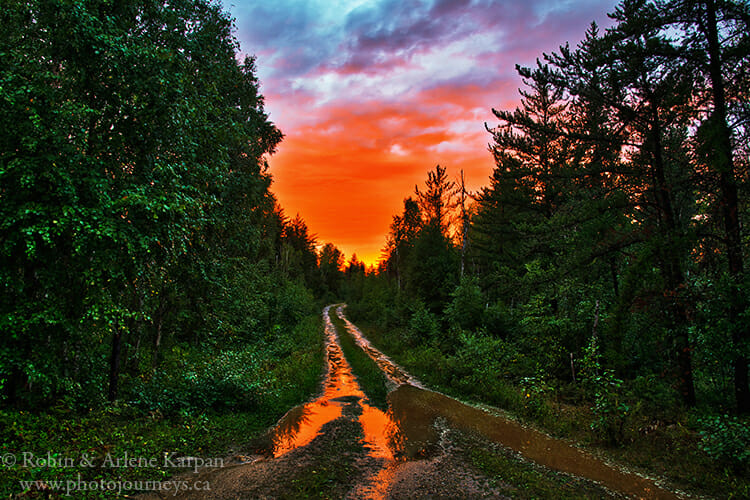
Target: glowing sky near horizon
{"points": [[371, 94]]}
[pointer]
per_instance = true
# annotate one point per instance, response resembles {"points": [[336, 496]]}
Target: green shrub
{"points": [[497, 320], [467, 305], [428, 363], [536, 390], [480, 354], [660, 400], [610, 409], [292, 302], [727, 439], [231, 380], [423, 324]]}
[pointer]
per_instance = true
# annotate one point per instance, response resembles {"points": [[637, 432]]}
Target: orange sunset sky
{"points": [[371, 94]]}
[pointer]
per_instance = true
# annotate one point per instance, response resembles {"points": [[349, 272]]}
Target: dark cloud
{"points": [[264, 24], [443, 8], [394, 27], [301, 37], [290, 33]]}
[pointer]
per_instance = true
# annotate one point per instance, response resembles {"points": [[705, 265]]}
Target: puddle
{"points": [[416, 410], [340, 392], [301, 425]]}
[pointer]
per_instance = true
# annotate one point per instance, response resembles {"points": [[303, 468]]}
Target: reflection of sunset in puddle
{"points": [[379, 430], [303, 424]]}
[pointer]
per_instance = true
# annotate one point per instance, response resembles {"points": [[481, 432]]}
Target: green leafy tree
{"points": [[715, 46], [432, 268], [331, 265], [528, 186], [437, 201], [629, 79], [297, 255], [137, 131], [432, 265], [467, 305]]}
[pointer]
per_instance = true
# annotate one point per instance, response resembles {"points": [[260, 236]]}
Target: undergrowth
{"points": [[212, 404]]}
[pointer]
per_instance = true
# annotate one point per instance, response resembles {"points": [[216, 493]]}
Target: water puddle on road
{"points": [[412, 408], [408, 429], [340, 390]]}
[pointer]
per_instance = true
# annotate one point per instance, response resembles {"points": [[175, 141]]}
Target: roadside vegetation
{"points": [[597, 286], [155, 298], [684, 446]]}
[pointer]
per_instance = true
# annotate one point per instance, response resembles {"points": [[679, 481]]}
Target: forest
{"points": [[155, 295]]}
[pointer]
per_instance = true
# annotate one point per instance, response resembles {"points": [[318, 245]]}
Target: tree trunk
{"points": [[672, 272], [724, 164], [160, 313], [114, 364], [464, 225], [615, 280]]}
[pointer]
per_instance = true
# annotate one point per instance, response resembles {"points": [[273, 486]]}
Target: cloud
{"points": [[395, 27]]}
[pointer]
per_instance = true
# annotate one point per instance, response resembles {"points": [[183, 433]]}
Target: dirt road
{"points": [[426, 445]]}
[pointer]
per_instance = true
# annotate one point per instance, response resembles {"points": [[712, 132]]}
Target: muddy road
{"points": [[425, 445]]}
